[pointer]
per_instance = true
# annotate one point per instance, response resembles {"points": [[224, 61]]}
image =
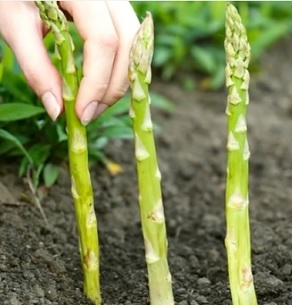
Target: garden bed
{"points": [[41, 266]]}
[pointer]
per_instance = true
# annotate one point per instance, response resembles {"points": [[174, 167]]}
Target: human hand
{"points": [[107, 28]]}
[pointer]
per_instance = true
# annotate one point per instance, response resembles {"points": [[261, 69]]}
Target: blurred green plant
{"points": [[189, 36], [27, 133]]}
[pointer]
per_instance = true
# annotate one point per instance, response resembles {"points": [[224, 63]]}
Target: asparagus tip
{"points": [[237, 52], [142, 48]]}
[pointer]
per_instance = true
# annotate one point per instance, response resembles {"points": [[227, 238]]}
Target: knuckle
{"points": [[32, 78], [116, 95], [102, 89], [109, 42]]}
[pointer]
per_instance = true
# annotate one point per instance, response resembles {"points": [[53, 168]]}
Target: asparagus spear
{"points": [[237, 215], [78, 154], [149, 178]]}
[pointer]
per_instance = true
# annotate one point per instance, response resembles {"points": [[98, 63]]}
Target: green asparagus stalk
{"points": [[149, 178], [78, 154], [237, 213]]}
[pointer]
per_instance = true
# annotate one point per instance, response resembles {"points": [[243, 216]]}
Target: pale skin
{"points": [[107, 28]]}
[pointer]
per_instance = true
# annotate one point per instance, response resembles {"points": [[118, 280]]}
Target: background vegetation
{"points": [[189, 49], [190, 35]]}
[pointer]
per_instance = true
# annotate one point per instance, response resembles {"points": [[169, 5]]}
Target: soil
{"points": [[41, 266]]}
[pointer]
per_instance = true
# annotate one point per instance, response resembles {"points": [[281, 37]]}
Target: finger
{"points": [[126, 29], [95, 26], [27, 45]]}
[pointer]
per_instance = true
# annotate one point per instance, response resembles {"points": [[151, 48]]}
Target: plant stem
{"points": [[78, 154], [149, 178], [237, 213]]}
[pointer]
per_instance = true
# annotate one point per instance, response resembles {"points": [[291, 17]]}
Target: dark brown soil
{"points": [[41, 266]]}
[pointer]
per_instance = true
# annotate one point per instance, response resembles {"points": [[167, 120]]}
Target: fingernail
{"points": [[52, 106], [89, 113], [100, 109]]}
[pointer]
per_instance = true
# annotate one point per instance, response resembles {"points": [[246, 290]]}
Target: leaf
{"points": [[10, 137], [23, 167], [95, 155], [8, 57], [18, 111], [62, 135], [121, 107], [6, 147], [16, 85], [120, 132], [36, 175], [39, 153], [99, 143], [105, 121], [204, 60], [260, 40], [162, 56], [50, 174], [161, 102]]}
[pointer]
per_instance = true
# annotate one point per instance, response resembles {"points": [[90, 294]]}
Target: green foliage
{"points": [[28, 134], [51, 173], [189, 35], [11, 142], [18, 111], [182, 30], [266, 23], [188, 41]]}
